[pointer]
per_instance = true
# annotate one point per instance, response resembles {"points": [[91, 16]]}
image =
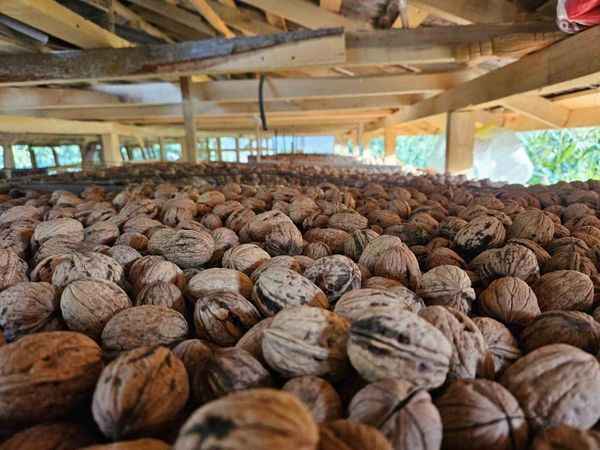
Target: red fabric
{"points": [[585, 12]]}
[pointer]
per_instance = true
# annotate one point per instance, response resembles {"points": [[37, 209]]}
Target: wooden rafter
{"points": [[331, 5], [137, 21], [471, 11], [248, 22], [212, 17], [538, 108]]}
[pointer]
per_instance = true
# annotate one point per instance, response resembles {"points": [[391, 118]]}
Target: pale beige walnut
{"points": [[335, 275], [13, 269], [566, 290], [27, 308], [178, 210], [316, 250], [564, 437], [137, 444], [224, 240], [347, 435], [87, 305], [511, 301], [228, 370], [51, 436], [386, 344], [479, 234], [140, 224], [140, 391], [404, 413], [223, 317], [186, 248], [447, 286], [124, 255], [380, 283], [144, 326], [482, 414], [501, 344], [279, 288], [45, 376], [66, 228], [245, 258], [556, 385], [318, 395], [148, 270], [19, 213], [76, 266], [219, 279], [105, 233], [283, 261], [357, 302], [348, 221], [307, 341], [470, 356], [162, 293], [238, 218], [264, 223], [252, 340], [256, 419]]}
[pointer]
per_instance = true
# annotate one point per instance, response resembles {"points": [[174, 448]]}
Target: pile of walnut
{"points": [[359, 315]]}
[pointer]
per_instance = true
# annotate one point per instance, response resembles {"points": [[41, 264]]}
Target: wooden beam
{"points": [[471, 11], [190, 152], [15, 99], [250, 23], [178, 30], [564, 65], [162, 148], [307, 14], [180, 15], [136, 21], [538, 108], [59, 21], [415, 15], [111, 150], [331, 5], [212, 17], [389, 142], [244, 54], [8, 156], [460, 141]]}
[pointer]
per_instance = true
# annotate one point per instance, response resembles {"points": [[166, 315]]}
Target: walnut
{"points": [[384, 344], [27, 308], [307, 341], [356, 243], [411, 234], [186, 248], [219, 279], [562, 327], [301, 208], [282, 262], [511, 301], [564, 289], [481, 414], [284, 239], [564, 437], [252, 340], [229, 370], [447, 286], [264, 223], [13, 269], [335, 275], [56, 435], [357, 302], [451, 225], [68, 229], [382, 283], [348, 221], [224, 240], [238, 218], [384, 218], [570, 244], [140, 224], [333, 237], [162, 293], [76, 266], [399, 263], [178, 210], [479, 234], [195, 355], [318, 395], [316, 250], [45, 376], [104, 233], [534, 225], [87, 305], [556, 385], [18, 213], [145, 325], [443, 256], [134, 240], [245, 258], [280, 288], [224, 316], [501, 344], [140, 391], [253, 419], [148, 270], [569, 260], [16, 240], [508, 261], [346, 435], [405, 414]]}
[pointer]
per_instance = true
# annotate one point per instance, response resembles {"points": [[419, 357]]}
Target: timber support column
{"points": [[9, 158], [460, 141], [190, 150], [389, 143], [111, 150], [163, 149]]}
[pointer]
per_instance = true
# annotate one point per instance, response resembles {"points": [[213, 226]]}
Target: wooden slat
{"points": [[471, 11], [331, 5], [190, 151], [248, 22], [460, 141], [27, 98], [212, 17], [538, 108], [415, 16], [175, 29], [136, 21], [172, 12], [307, 14], [389, 139], [57, 20], [111, 149], [265, 53]]}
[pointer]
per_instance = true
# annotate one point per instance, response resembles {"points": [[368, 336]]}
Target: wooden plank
{"points": [[538, 108], [27, 98], [57, 20], [212, 17], [176, 29], [180, 15], [261, 53], [111, 150], [136, 21], [389, 143], [568, 63], [331, 5], [471, 11], [460, 142], [249, 22], [190, 151], [415, 16], [307, 14]]}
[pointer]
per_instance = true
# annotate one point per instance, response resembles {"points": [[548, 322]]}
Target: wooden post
{"points": [[163, 149], [390, 143], [111, 150], [32, 157], [460, 141], [219, 150], [87, 154], [237, 149], [190, 152], [55, 156], [9, 159]]}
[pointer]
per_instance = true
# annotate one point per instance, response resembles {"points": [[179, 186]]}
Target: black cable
{"points": [[261, 103]]}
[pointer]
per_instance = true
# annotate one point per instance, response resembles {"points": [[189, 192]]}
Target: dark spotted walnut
{"points": [[447, 286], [386, 344], [219, 279], [253, 419], [481, 414], [347, 435], [480, 234], [318, 395], [140, 391], [500, 342], [511, 301], [564, 289], [335, 275], [284, 239], [405, 414], [186, 248], [358, 240], [556, 385]]}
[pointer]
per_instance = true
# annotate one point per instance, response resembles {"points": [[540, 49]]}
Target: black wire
{"points": [[261, 103]]}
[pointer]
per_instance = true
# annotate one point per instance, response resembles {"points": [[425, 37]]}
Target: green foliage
{"points": [[422, 152]]}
